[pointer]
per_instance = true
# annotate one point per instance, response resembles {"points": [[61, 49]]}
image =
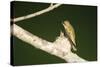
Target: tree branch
{"points": [[51, 7], [60, 48]]}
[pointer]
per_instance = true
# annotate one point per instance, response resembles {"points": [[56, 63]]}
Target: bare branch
{"points": [[36, 14], [60, 48]]}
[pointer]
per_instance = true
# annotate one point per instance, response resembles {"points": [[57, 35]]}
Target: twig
{"points": [[36, 14], [61, 47]]}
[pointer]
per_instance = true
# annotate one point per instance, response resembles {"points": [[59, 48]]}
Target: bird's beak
{"points": [[64, 25]]}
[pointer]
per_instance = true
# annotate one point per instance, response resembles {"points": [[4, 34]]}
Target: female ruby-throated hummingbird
{"points": [[70, 34]]}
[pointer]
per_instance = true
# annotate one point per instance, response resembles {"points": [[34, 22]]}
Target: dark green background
{"points": [[49, 25]]}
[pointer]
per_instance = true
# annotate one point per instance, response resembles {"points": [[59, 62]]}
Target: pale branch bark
{"points": [[60, 48], [73, 57], [51, 7], [28, 37]]}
